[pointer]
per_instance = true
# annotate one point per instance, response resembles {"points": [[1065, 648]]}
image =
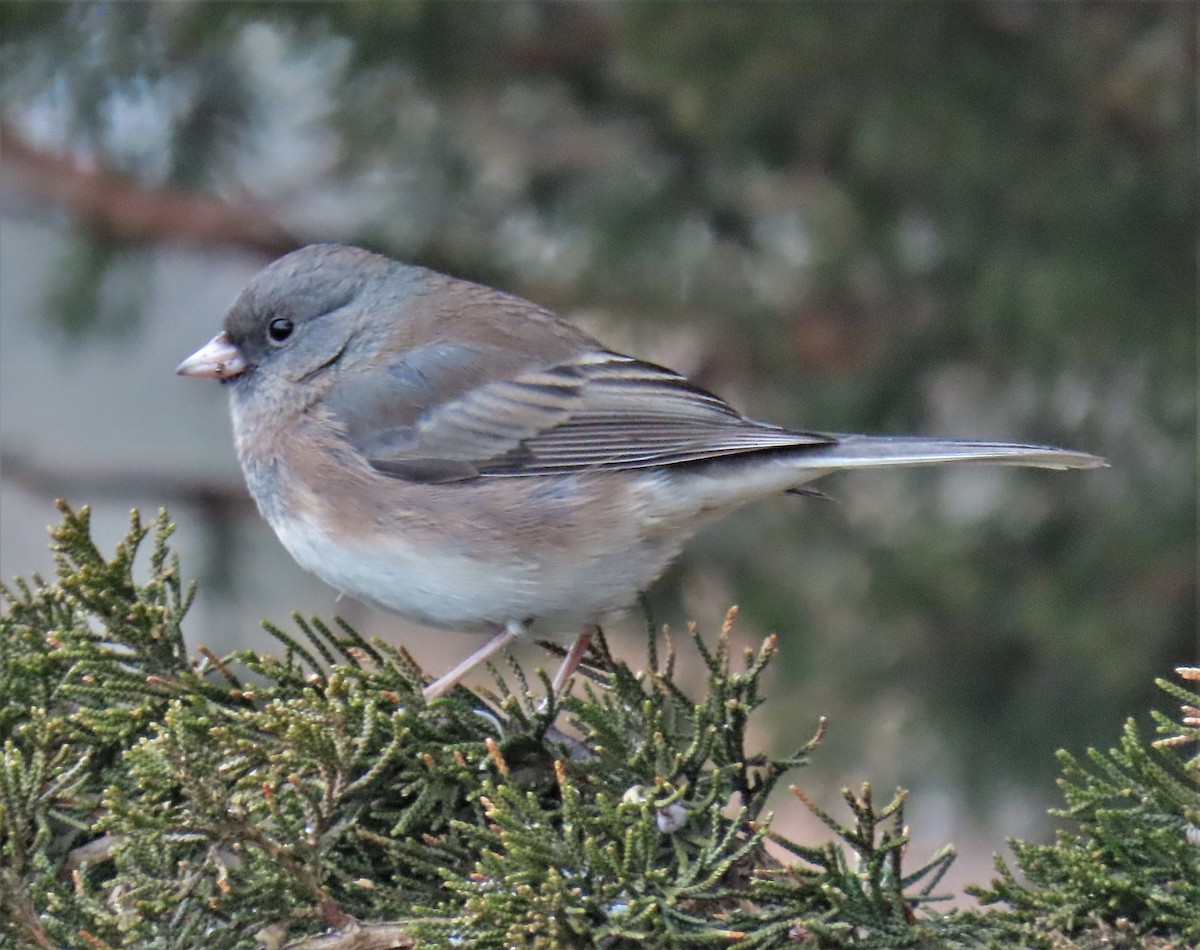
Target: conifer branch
{"points": [[313, 800]]}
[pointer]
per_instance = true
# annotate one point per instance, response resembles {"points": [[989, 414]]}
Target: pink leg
{"points": [[572, 660], [443, 684]]}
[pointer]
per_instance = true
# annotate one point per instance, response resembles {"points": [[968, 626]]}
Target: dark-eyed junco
{"points": [[472, 462]]}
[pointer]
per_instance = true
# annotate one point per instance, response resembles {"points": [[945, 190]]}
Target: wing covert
{"points": [[599, 412]]}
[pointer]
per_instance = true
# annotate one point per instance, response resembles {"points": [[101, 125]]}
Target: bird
{"points": [[469, 460]]}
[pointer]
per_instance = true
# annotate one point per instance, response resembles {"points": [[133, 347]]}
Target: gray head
{"points": [[299, 314]]}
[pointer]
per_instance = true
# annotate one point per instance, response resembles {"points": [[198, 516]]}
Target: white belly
{"points": [[456, 590]]}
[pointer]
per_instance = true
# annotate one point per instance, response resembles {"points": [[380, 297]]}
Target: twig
{"points": [[121, 208]]}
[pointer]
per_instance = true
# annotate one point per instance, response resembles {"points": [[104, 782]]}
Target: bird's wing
{"points": [[598, 411]]}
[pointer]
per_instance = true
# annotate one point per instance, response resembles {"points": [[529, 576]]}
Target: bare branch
{"points": [[122, 209]]}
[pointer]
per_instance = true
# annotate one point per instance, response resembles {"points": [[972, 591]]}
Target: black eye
{"points": [[280, 329]]}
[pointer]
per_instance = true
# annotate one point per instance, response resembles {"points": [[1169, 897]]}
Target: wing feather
{"points": [[601, 411]]}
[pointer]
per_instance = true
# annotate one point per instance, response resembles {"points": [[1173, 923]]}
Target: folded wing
{"points": [[601, 411]]}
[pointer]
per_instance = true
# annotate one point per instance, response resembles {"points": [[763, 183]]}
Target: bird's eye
{"points": [[280, 329]]}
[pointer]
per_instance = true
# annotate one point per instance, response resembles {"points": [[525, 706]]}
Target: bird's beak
{"points": [[219, 358]]}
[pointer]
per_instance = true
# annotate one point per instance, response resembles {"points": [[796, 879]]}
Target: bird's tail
{"points": [[869, 451], [724, 483]]}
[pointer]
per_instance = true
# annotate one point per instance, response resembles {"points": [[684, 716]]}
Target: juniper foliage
{"points": [[1127, 866], [151, 798]]}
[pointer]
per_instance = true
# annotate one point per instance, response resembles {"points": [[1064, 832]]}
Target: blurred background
{"points": [[942, 218]]}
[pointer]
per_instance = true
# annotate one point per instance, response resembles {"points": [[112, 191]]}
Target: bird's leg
{"points": [[572, 660], [443, 684]]}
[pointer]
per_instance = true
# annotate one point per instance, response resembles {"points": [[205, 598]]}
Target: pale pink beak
{"points": [[217, 359]]}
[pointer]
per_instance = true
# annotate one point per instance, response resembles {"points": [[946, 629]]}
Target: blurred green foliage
{"points": [[883, 217]]}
